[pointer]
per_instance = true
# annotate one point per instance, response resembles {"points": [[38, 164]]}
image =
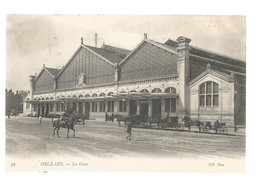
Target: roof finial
{"points": [[145, 35], [208, 66], [81, 40]]}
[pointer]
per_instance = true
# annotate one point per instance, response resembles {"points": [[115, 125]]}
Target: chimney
{"points": [[96, 39], [81, 40]]}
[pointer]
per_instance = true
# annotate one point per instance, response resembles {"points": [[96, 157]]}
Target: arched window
{"points": [[208, 94], [87, 95], [156, 90], [144, 91], [47, 98], [51, 98], [94, 95], [170, 90], [133, 91], [122, 91], [80, 96], [74, 96], [110, 93], [102, 94]]}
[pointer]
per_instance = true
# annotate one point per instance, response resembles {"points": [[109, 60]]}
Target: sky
{"points": [[34, 40]]}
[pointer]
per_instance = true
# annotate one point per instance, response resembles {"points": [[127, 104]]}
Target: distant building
{"points": [[153, 79], [14, 101]]}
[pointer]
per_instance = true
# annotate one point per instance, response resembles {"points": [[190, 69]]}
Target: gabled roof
{"points": [[117, 51], [221, 75], [112, 57], [53, 71], [104, 54], [155, 43]]}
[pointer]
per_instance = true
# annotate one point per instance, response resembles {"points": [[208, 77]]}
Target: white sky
{"points": [[34, 40]]}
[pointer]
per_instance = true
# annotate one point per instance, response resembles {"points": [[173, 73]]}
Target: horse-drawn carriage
{"points": [[220, 128], [206, 126], [148, 122], [172, 123]]}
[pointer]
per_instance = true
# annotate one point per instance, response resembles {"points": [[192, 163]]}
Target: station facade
{"points": [[154, 79]]}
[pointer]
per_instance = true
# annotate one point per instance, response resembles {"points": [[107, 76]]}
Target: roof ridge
{"points": [[115, 47], [218, 54]]}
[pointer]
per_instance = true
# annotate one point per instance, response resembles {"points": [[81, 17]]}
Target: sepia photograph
{"points": [[147, 93]]}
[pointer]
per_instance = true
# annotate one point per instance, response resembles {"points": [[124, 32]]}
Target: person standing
{"points": [[40, 118], [129, 130]]}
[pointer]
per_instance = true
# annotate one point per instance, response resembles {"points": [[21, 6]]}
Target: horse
{"points": [[67, 121], [188, 123], [120, 118]]}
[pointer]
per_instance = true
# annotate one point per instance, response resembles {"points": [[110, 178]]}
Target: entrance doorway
{"points": [[143, 109], [47, 110], [38, 110], [132, 107], [80, 108], [74, 106], [42, 111], [156, 108]]}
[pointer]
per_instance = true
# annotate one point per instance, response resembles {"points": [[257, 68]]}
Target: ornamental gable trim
{"points": [[220, 75]]}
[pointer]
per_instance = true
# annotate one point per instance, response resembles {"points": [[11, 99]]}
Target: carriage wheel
{"points": [[180, 127], [221, 130], [225, 130]]}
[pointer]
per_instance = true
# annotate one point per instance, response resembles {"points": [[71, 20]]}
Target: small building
{"points": [[153, 79], [13, 102]]}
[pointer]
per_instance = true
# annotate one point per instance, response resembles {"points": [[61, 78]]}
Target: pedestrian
{"points": [[216, 126], [40, 118], [129, 130]]}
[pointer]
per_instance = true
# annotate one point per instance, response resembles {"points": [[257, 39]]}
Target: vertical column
{"points": [[183, 73], [116, 106], [127, 106], [84, 108], [45, 109], [77, 107], [53, 107], [71, 105], [138, 107], [149, 107], [40, 105]]}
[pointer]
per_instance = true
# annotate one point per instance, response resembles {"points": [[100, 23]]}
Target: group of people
{"points": [[109, 118]]}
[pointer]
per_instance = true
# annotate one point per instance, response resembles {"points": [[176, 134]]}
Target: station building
{"points": [[154, 79]]}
